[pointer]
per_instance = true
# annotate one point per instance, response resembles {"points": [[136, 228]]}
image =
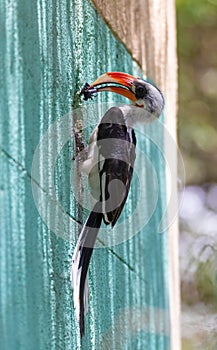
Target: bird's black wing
{"points": [[116, 142]]}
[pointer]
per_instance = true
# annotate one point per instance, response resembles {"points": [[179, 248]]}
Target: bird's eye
{"points": [[140, 92]]}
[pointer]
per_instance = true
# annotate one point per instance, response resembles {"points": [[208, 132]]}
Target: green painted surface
{"points": [[47, 51]]}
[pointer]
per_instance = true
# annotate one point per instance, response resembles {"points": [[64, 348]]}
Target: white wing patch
{"points": [[90, 165]]}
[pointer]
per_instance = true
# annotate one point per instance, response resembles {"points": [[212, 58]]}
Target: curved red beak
{"points": [[124, 83]]}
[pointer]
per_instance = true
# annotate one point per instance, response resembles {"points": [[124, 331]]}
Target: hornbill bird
{"points": [[109, 166]]}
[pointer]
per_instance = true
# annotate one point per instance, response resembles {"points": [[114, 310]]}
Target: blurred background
{"points": [[197, 130]]}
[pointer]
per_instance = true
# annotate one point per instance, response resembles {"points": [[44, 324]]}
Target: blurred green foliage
{"points": [[206, 281], [197, 54]]}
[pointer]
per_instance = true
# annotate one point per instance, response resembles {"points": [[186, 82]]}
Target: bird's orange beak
{"points": [[124, 83]]}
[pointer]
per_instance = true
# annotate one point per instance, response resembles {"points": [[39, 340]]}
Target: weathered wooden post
{"points": [[48, 51]]}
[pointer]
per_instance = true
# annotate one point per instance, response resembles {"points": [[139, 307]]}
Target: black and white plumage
{"points": [[109, 166]]}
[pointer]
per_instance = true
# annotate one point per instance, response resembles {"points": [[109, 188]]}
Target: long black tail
{"points": [[80, 263]]}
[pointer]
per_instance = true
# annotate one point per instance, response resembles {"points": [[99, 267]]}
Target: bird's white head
{"points": [[143, 94]]}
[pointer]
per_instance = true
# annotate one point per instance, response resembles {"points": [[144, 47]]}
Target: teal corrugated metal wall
{"points": [[48, 49]]}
